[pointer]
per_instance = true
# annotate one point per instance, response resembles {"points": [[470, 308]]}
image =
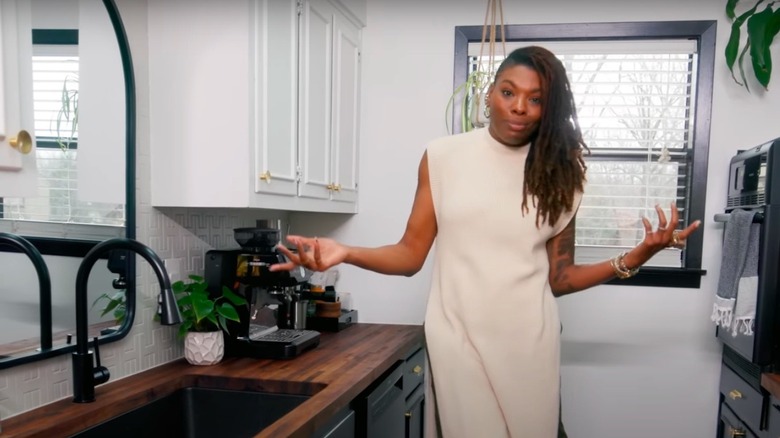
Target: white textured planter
{"points": [[204, 348]]}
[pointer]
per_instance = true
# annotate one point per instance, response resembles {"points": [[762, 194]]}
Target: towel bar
{"points": [[724, 217]]}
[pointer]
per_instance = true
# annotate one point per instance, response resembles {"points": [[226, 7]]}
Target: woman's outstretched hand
{"points": [[316, 254], [666, 236]]}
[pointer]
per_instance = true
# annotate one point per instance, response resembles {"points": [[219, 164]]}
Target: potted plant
{"points": [[204, 318], [467, 101], [117, 305]]}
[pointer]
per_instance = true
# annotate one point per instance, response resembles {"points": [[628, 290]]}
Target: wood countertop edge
{"points": [[334, 373], [771, 382]]}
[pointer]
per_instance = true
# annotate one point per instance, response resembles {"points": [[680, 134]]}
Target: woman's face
{"points": [[515, 101]]}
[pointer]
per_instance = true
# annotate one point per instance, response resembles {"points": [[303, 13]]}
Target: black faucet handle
{"points": [[100, 373]]}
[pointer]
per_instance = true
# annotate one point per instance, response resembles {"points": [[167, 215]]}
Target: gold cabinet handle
{"points": [[22, 142], [736, 433], [417, 370], [266, 176], [735, 395], [333, 187], [408, 414]]}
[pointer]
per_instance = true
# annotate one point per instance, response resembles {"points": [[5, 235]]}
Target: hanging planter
{"points": [[761, 26], [471, 94]]}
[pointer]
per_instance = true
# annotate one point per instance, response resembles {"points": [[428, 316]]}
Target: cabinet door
{"points": [[730, 426], [275, 45], [415, 411], [315, 94], [18, 171], [200, 97], [346, 98]]}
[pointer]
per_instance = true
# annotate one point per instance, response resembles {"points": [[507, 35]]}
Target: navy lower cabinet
{"points": [[414, 393], [341, 426], [380, 408], [393, 406], [743, 410]]}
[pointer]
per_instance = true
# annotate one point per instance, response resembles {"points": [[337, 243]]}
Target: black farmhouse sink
{"points": [[195, 412]]}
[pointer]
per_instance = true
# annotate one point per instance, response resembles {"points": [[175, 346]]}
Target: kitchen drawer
{"points": [[773, 422], [746, 402], [731, 426], [414, 371]]}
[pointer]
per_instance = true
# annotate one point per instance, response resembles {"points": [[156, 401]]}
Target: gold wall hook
{"points": [[22, 142]]}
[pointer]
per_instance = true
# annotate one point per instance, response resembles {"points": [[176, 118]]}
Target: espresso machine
{"points": [[271, 323]]}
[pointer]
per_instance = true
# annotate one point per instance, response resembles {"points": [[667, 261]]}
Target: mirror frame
{"points": [[79, 248]]}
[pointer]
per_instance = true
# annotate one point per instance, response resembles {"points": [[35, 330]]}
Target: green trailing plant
{"points": [[471, 93], [200, 310], [117, 304], [468, 93], [761, 24], [67, 121]]}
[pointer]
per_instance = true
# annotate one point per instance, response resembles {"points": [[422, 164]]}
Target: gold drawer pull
{"points": [[735, 395], [736, 433], [266, 176], [417, 370]]}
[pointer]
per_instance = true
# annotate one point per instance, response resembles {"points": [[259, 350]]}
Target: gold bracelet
{"points": [[619, 266]]}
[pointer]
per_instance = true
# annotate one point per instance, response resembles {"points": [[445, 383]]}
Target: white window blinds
{"points": [[634, 101]]}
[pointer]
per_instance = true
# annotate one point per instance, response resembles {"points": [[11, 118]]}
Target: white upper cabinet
{"points": [[18, 171], [254, 103]]}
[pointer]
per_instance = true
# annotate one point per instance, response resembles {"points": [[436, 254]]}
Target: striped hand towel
{"points": [[735, 300]]}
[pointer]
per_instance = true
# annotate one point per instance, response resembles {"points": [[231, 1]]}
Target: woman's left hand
{"points": [[667, 236]]}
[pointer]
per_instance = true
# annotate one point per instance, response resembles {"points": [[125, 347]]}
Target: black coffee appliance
{"points": [[268, 326]]}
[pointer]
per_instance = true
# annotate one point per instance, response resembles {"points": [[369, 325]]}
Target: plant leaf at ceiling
{"points": [[730, 5], [758, 29], [732, 47], [761, 34]]}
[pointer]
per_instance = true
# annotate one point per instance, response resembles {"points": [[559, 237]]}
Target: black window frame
{"points": [[704, 33]]}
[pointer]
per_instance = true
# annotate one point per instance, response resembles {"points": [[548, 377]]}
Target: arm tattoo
{"points": [[564, 253]]}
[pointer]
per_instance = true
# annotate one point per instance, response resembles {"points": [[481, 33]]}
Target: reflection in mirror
{"points": [[76, 99]]}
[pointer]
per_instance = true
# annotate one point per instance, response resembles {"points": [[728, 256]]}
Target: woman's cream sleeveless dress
{"points": [[491, 326]]}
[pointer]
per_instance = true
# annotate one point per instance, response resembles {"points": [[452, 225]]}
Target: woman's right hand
{"points": [[316, 254]]}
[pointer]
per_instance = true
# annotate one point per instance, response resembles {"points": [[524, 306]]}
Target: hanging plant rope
{"points": [[472, 92]]}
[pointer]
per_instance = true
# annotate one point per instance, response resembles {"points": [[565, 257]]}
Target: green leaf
{"points": [[730, 5], [228, 311], [238, 300], [178, 287], [732, 47], [202, 309], [184, 328], [742, 65], [760, 40]]}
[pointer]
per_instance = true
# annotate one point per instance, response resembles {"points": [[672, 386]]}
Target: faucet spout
{"points": [[44, 282], [85, 375]]}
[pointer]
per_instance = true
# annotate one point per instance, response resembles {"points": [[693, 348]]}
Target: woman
{"points": [[501, 204]]}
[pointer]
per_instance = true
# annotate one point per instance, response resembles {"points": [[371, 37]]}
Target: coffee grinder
{"points": [[269, 325]]}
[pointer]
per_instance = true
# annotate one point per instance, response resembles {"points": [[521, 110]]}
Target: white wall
{"points": [[637, 362]]}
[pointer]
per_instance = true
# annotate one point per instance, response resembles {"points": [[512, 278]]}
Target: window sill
{"points": [[663, 277]]}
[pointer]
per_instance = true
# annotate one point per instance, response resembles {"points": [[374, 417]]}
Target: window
{"points": [[643, 95], [55, 68]]}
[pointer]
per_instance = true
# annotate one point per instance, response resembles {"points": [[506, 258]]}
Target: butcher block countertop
{"points": [[771, 382], [333, 373]]}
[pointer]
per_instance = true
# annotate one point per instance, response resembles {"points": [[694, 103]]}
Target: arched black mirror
{"points": [[68, 80]]}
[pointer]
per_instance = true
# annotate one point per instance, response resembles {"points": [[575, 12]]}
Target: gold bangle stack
{"points": [[619, 266]]}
